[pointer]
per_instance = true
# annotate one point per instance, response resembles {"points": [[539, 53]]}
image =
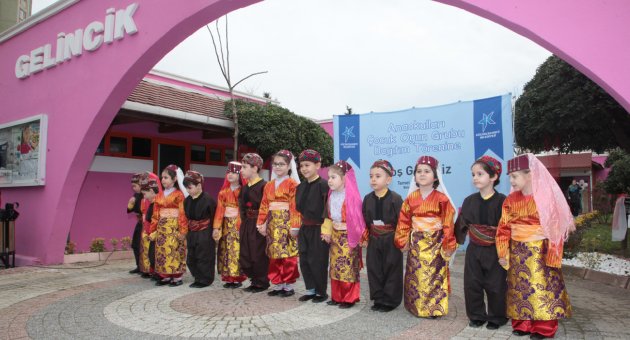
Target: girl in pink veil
{"points": [[535, 222], [343, 230]]}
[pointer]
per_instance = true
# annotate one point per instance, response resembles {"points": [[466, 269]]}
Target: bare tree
{"points": [[223, 59]]}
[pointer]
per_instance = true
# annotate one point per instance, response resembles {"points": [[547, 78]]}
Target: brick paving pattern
{"points": [[105, 302]]}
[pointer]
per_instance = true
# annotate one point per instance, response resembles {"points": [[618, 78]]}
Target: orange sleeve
{"points": [[554, 255], [155, 217], [218, 214], [263, 210], [448, 215], [504, 232], [295, 218], [181, 220], [403, 229]]}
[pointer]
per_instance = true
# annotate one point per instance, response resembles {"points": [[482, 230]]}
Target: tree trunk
{"points": [[235, 120]]}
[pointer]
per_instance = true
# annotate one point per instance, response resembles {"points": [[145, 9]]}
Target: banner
{"points": [[456, 134]]}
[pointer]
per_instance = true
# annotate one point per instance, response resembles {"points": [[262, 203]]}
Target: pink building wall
{"points": [[81, 96], [96, 217]]}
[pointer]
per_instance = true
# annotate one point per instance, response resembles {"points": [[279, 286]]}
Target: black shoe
{"points": [[386, 309], [155, 278], [163, 282], [236, 285], [320, 298], [519, 333], [195, 285], [476, 323], [377, 307], [229, 285], [134, 271], [332, 303], [345, 305], [537, 336], [306, 297], [287, 293], [145, 275], [276, 292], [256, 289], [249, 288], [433, 317], [492, 326], [179, 283]]}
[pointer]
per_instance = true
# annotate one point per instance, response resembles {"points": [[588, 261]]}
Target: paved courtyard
{"points": [[106, 302]]}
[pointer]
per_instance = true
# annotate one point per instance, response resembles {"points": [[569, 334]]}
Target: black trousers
{"points": [[201, 258], [313, 258], [253, 257], [482, 273], [152, 254], [385, 270], [135, 242]]}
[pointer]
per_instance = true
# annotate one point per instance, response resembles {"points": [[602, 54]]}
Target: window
{"points": [[101, 147], [215, 155], [141, 147], [229, 155], [198, 153], [118, 145]]}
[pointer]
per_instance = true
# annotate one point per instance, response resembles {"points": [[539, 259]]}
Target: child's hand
{"points": [[132, 202], [262, 229], [181, 236], [446, 254], [152, 236], [326, 238], [216, 234], [503, 262], [405, 248], [294, 232], [363, 244]]}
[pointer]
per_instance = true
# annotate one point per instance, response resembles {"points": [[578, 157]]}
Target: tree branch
{"points": [[221, 46], [227, 79], [249, 76]]}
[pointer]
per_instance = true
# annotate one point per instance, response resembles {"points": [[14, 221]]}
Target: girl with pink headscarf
{"points": [[535, 222], [343, 230]]}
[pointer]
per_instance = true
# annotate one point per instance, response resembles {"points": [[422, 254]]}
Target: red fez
{"points": [[428, 160], [385, 165], [253, 159], [285, 153], [344, 166], [493, 163], [234, 167], [518, 163], [310, 155], [193, 177]]}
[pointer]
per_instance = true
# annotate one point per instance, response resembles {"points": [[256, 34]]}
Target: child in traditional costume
{"points": [[170, 226], [310, 201], [280, 222], [226, 228], [201, 246], [150, 186], [425, 228], [253, 259], [343, 230], [479, 218], [535, 222], [134, 206], [381, 209]]}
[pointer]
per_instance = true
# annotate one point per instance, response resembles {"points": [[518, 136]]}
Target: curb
{"points": [[95, 257], [619, 281]]}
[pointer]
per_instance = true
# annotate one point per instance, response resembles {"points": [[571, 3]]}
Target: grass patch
{"points": [[598, 237]]}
